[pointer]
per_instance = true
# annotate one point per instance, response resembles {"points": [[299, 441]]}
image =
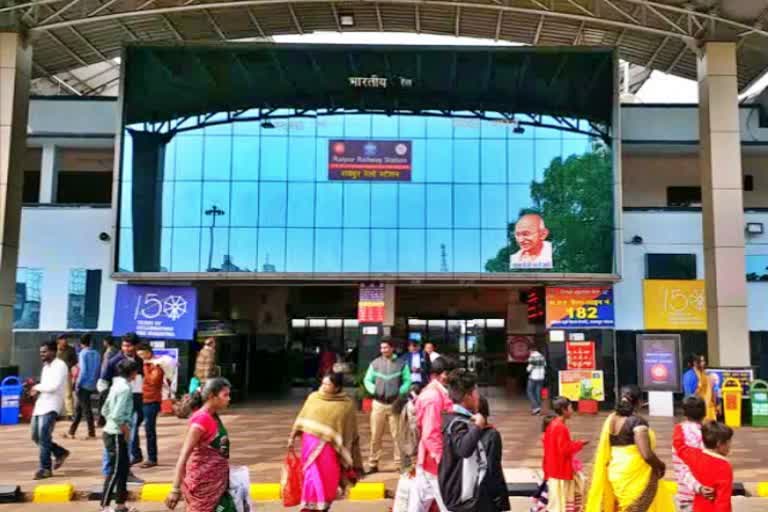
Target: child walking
{"points": [[118, 410], [688, 487], [565, 483]]}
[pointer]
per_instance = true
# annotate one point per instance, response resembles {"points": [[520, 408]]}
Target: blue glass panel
{"points": [[329, 205], [301, 205], [576, 146], [494, 206], [302, 127], [521, 167], [439, 160], [242, 249], [248, 127], [245, 158], [280, 123], [384, 250], [418, 161], [467, 201], [272, 207], [301, 159], [274, 157], [216, 194], [439, 127], [519, 199], [330, 126], [493, 241], [412, 206], [439, 206], [225, 128], [185, 253], [546, 151], [439, 250], [187, 207], [466, 161], [466, 250], [357, 126], [413, 127], [169, 162], [189, 158], [321, 169], [385, 126], [496, 129], [383, 205], [357, 205], [245, 204], [527, 134], [466, 127], [494, 161], [126, 172], [411, 246], [328, 250], [300, 250], [356, 250], [548, 133], [126, 202], [166, 247], [214, 260], [271, 250], [167, 206], [126, 250]]}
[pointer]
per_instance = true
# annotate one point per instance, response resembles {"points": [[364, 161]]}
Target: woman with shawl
{"points": [[627, 473], [202, 471], [330, 445]]}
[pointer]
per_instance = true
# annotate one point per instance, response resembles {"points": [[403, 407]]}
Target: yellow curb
{"points": [[155, 492], [367, 491], [762, 489], [265, 492], [53, 493]]}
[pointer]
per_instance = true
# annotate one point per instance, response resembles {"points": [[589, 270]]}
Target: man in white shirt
{"points": [[429, 349], [50, 401], [535, 252]]}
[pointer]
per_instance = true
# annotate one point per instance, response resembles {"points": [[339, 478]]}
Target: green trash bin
{"points": [[758, 394]]}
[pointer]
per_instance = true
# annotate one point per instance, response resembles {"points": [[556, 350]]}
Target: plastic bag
{"points": [[402, 495], [291, 480]]}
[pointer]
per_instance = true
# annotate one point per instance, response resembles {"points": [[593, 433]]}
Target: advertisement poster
{"points": [[658, 360], [519, 348], [580, 307], [155, 312], [580, 355], [677, 305], [369, 160], [534, 250], [370, 307], [744, 375], [581, 385]]}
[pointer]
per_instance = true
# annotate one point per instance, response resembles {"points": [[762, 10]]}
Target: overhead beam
{"points": [[56, 80], [295, 19], [256, 23], [336, 17], [539, 28], [215, 25], [457, 22], [64, 9], [577, 39], [581, 8], [417, 15], [499, 21], [379, 20], [67, 49]]}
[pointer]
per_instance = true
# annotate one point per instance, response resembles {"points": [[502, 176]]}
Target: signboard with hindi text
{"points": [[369, 160], [370, 306], [155, 312], [675, 305], [580, 355], [575, 307]]}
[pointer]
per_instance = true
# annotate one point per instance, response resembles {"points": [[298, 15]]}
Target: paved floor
{"points": [[259, 432]]}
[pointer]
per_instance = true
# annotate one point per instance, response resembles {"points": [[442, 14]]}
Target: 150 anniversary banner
{"points": [[372, 160]]}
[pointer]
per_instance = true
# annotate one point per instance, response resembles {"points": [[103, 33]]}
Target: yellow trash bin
{"points": [[732, 393]]}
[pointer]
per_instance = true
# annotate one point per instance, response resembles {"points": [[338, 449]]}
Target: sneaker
{"points": [[42, 474], [148, 464], [536, 412], [133, 479], [59, 461]]}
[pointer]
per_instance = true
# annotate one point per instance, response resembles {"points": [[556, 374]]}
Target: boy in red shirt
{"points": [[709, 466]]}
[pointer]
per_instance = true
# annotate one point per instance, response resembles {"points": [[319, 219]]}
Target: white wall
{"points": [[677, 233], [57, 240]]}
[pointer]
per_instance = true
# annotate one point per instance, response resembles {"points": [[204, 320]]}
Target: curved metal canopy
{"points": [[658, 34]]}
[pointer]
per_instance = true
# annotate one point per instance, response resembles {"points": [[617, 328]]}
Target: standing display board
{"points": [[578, 385], [658, 362]]}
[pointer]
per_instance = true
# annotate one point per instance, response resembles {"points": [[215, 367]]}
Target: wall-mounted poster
{"points": [[519, 348], [155, 312], [370, 306], [658, 362], [371, 160], [575, 307], [675, 305], [581, 385], [580, 355]]}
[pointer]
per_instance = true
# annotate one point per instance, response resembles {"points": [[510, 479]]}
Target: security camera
{"points": [[104, 237]]}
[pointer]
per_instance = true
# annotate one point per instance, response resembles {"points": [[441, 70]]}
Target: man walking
{"points": [[154, 377], [537, 370], [66, 353], [109, 351], [50, 400], [387, 379], [431, 404], [85, 386]]}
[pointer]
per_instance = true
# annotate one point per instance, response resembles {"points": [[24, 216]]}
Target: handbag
{"points": [[291, 480]]}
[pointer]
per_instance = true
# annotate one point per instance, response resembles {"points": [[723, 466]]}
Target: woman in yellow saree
{"points": [[626, 471]]}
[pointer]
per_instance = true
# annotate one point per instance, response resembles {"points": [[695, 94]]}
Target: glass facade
{"points": [[256, 197], [26, 309]]}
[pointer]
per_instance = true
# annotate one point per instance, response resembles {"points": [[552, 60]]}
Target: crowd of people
{"points": [[448, 453]]}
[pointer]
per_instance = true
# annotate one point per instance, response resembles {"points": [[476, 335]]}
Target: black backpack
{"points": [[463, 496]]}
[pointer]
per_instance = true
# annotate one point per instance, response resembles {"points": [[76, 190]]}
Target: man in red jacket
{"points": [[709, 466]]}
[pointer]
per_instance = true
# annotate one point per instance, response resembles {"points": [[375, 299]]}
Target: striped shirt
{"points": [[687, 484], [537, 366]]}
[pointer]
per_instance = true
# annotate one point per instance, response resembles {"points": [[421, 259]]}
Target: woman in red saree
{"points": [[202, 471], [330, 445]]}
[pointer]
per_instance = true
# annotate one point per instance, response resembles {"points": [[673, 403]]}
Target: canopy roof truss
{"points": [[658, 34]]}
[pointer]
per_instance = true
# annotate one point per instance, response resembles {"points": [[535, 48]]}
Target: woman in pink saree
{"points": [[330, 445]]}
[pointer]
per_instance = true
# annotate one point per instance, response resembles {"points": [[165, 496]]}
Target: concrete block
{"points": [[53, 493], [265, 492], [367, 491], [155, 492]]}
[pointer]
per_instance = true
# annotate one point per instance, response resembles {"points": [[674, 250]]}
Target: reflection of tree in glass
{"points": [[575, 199]]}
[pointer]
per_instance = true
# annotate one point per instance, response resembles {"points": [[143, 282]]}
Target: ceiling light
{"points": [[346, 20], [268, 125], [519, 130]]}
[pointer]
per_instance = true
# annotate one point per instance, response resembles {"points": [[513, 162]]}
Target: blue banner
{"points": [[579, 307], [155, 312]]}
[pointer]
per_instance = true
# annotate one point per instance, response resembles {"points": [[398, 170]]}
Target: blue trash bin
{"points": [[10, 396]]}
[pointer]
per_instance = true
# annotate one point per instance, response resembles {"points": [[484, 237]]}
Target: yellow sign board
{"points": [[675, 305], [581, 385]]}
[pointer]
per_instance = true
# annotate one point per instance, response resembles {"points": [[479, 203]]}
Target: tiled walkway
{"points": [[259, 432]]}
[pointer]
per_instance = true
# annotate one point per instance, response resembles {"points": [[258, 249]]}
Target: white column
{"points": [[48, 174], [722, 206], [15, 66]]}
